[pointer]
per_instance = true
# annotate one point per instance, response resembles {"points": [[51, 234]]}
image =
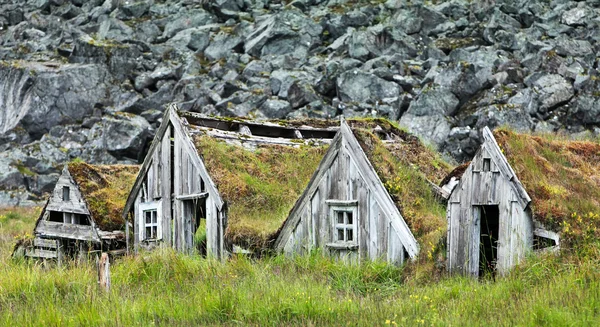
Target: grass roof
{"points": [[259, 186], [105, 189], [562, 177], [405, 166]]}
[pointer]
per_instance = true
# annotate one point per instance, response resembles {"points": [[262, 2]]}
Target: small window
{"points": [[149, 221], [66, 195], [486, 164], [345, 229], [151, 224]]}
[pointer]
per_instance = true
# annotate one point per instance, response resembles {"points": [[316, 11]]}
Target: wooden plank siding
{"points": [[479, 186], [173, 171], [346, 175]]}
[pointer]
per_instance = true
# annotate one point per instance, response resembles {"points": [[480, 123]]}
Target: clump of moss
{"points": [[259, 186], [562, 177], [105, 189]]}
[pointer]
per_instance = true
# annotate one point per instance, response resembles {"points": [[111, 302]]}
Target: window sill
{"points": [[342, 246]]}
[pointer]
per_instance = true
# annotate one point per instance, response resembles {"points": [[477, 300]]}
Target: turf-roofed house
{"points": [[503, 199], [83, 213], [217, 185], [371, 198]]}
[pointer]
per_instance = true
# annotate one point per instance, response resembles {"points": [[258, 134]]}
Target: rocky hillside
{"points": [[89, 78]]}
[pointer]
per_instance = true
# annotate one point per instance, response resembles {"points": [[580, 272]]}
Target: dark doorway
{"points": [[196, 209], [488, 241]]}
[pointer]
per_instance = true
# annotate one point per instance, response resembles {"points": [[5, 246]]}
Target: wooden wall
{"points": [[478, 187], [345, 176], [166, 184], [76, 204]]}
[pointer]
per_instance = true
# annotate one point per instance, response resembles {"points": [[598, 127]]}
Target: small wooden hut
{"points": [[83, 213], [218, 185], [373, 178], [491, 223]]}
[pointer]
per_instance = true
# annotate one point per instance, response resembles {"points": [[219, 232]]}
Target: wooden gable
{"points": [[66, 198], [346, 177]]}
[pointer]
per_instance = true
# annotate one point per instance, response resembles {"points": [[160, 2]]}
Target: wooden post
{"points": [[104, 272]]}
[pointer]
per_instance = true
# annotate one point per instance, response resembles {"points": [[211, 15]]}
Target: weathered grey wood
{"points": [[315, 181], [41, 253], [251, 142], [497, 186], [383, 198], [166, 181], [45, 243], [71, 231], [104, 273], [194, 196], [160, 134], [345, 179]]}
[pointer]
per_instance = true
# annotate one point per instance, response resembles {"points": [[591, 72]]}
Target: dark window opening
{"points": [[486, 164], [56, 216], [488, 242], [66, 196], [540, 242]]}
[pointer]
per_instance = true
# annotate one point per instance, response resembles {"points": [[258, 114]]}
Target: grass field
{"points": [[165, 288]]}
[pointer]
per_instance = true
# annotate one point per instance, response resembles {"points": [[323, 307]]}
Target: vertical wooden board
{"points": [[474, 241], [342, 175], [324, 228], [372, 230], [298, 239], [382, 241], [332, 179], [154, 193], [136, 224], [394, 248], [165, 186], [354, 180], [307, 223], [211, 218], [363, 218], [288, 249], [454, 232], [317, 218]]}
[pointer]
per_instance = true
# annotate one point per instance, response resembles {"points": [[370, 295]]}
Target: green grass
{"points": [[561, 176], [260, 186], [166, 288]]}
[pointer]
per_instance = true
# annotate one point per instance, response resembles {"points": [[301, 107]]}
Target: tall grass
{"points": [[167, 288]]}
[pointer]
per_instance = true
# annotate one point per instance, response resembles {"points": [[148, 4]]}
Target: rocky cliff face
{"points": [[90, 79]]}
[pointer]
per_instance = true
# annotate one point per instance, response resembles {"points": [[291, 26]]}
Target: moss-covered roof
{"points": [[105, 189], [406, 166], [260, 186], [562, 177]]}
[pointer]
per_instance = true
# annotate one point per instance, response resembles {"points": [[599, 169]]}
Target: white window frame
{"points": [[335, 207], [143, 208]]}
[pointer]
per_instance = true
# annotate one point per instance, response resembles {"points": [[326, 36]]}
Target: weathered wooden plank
{"points": [[45, 243], [316, 216], [193, 196], [70, 231], [166, 181], [40, 253]]}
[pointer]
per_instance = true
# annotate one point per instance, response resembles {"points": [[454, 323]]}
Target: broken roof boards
{"points": [[85, 205], [232, 171]]}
